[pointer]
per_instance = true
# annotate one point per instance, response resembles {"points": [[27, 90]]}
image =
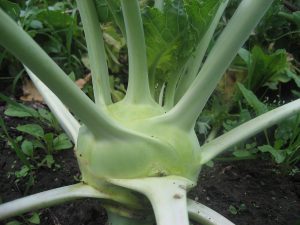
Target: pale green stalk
{"points": [[96, 51], [247, 130], [18, 42], [166, 194], [230, 41], [48, 198], [138, 91], [116, 219], [212, 134], [65, 118], [171, 91], [204, 215], [197, 59]]}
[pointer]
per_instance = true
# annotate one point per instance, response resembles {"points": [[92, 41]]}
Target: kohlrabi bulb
{"points": [[160, 150]]}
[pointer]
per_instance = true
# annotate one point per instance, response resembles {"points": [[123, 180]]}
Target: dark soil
{"points": [[255, 191]]}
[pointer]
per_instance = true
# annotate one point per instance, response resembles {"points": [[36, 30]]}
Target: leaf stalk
{"points": [[138, 91], [96, 50], [48, 198]]}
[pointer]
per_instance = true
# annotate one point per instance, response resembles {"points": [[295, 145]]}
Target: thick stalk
{"points": [[96, 51], [196, 61], [116, 219], [170, 91], [48, 198], [138, 91], [204, 215], [19, 43], [248, 129], [65, 118], [166, 194], [232, 38]]}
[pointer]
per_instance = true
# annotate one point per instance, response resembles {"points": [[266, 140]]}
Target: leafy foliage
{"points": [[173, 34], [55, 26], [267, 69], [34, 138], [252, 100], [48, 141], [293, 17]]}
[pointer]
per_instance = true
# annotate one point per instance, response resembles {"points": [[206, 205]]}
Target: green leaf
{"points": [[23, 172], [279, 143], [14, 143], [252, 100], [242, 153], [19, 139], [56, 19], [173, 33], [38, 144], [279, 155], [62, 142], [291, 151], [35, 218], [232, 210], [11, 8], [110, 11], [48, 138], [266, 67], [294, 76], [245, 55], [14, 222], [293, 17], [36, 24], [242, 207], [103, 11], [45, 114], [49, 160], [284, 131], [32, 129], [18, 111], [27, 148]]}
